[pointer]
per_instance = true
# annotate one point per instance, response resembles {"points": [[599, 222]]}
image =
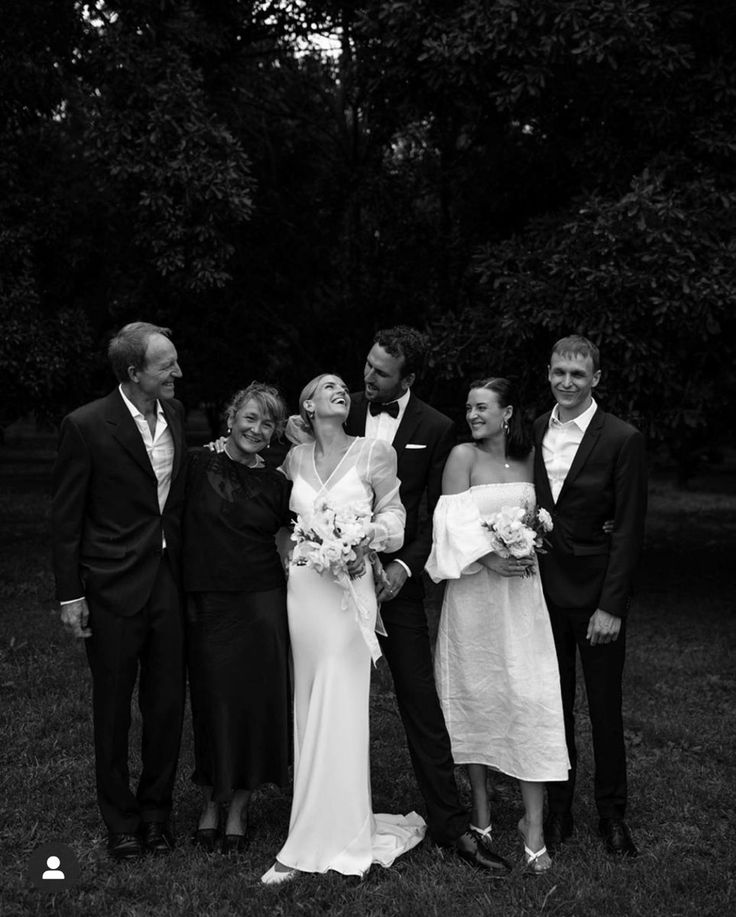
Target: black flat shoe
{"points": [[480, 854], [207, 839], [617, 837], [558, 828], [234, 843], [156, 837], [124, 846]]}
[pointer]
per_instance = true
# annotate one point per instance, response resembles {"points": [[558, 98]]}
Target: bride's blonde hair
{"points": [[308, 392]]}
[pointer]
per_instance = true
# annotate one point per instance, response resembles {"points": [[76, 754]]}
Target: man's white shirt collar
{"points": [[134, 410], [582, 421]]}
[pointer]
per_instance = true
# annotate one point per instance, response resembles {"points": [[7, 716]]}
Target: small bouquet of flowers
{"points": [[327, 540], [517, 531]]}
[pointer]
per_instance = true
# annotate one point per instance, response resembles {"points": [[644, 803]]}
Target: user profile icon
{"points": [[53, 871], [53, 867]]}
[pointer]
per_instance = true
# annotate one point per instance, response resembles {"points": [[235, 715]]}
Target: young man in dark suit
{"points": [[590, 467], [118, 489], [422, 437]]}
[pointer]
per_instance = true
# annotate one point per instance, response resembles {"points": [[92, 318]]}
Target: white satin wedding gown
{"points": [[495, 662], [332, 825]]}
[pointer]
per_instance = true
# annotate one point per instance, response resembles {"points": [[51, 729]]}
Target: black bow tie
{"points": [[390, 407]]}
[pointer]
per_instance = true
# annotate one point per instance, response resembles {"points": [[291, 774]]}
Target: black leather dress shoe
{"points": [[469, 848], [557, 829], [234, 843], [156, 837], [208, 839], [617, 837], [124, 846]]}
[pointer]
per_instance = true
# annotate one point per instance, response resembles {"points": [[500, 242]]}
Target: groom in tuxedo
{"points": [[422, 437], [118, 491], [589, 468]]}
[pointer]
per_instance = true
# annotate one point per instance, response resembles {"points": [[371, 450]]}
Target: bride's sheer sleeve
{"points": [[389, 515], [458, 538], [291, 463]]}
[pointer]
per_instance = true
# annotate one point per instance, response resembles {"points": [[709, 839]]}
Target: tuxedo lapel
{"points": [[590, 438], [541, 478], [177, 434], [123, 428], [409, 423]]}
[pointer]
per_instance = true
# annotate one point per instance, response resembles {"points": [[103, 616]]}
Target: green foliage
{"points": [[481, 167], [40, 354], [174, 180], [650, 276]]}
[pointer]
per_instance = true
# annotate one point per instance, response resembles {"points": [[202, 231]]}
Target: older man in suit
{"points": [[422, 438], [117, 501], [589, 468]]}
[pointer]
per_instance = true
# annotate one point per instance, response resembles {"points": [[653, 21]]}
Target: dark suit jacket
{"points": [[105, 514], [586, 568], [422, 443]]}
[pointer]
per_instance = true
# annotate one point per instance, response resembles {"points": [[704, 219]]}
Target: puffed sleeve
{"points": [[389, 515], [458, 538]]}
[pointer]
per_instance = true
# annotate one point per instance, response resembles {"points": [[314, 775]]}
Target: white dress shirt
{"points": [[384, 426], [159, 446], [560, 444]]}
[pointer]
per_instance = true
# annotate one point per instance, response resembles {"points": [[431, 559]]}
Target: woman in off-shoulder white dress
{"points": [[495, 663], [332, 824]]}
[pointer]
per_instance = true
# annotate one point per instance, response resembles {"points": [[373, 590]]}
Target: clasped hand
{"points": [[75, 618], [508, 566], [356, 567], [603, 627]]}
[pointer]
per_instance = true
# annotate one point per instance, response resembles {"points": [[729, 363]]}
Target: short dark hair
{"points": [[577, 345], [406, 342], [267, 397], [128, 347], [519, 438]]}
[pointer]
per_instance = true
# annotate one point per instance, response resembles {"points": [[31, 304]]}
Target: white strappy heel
{"points": [[278, 877], [484, 835], [531, 860]]}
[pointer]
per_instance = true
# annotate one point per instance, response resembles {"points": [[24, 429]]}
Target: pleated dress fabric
{"points": [[495, 662]]}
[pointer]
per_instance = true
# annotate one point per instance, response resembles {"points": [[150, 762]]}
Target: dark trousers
{"points": [[409, 656], [153, 641], [602, 670]]}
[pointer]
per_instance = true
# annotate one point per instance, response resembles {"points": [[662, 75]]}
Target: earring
{"points": [[506, 427], [229, 430]]}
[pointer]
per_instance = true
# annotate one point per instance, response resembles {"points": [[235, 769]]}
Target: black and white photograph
{"points": [[368, 458]]}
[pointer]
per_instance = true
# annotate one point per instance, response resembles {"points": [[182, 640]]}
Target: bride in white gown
{"points": [[332, 825], [495, 664]]}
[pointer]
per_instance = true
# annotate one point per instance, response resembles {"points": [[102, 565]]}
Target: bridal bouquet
{"points": [[327, 540], [517, 531]]}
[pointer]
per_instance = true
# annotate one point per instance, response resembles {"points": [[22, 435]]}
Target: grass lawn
{"points": [[680, 718]]}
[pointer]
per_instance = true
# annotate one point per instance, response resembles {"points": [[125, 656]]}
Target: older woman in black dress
{"points": [[236, 604]]}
